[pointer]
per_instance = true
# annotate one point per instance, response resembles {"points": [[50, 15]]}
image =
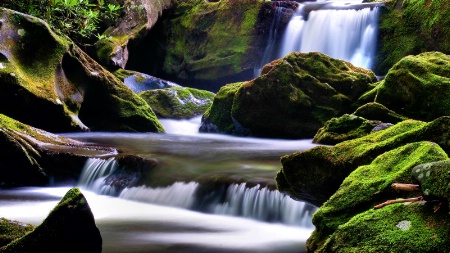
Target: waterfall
{"points": [[264, 204], [238, 200], [271, 45], [340, 31]]}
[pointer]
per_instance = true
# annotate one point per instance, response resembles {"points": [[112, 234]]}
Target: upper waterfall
{"points": [[344, 29]]}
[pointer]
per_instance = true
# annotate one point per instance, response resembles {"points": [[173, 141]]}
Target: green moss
{"points": [[178, 102], [219, 113], [434, 180], [11, 230], [346, 127], [316, 174], [395, 228], [376, 111], [210, 40], [413, 27], [371, 184], [418, 86]]}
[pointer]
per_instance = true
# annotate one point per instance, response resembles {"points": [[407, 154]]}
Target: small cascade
{"points": [[347, 32], [271, 41], [94, 173], [237, 200], [264, 204], [177, 195]]}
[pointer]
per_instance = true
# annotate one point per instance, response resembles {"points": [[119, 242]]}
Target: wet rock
{"points": [[417, 87], [178, 102], [70, 227], [346, 127], [50, 83], [292, 98], [30, 156], [315, 175], [376, 111], [370, 185]]}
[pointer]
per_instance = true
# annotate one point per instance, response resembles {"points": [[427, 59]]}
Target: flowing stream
{"points": [[178, 210]]}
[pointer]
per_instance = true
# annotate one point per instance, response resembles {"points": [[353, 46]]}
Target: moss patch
{"points": [[411, 27], [178, 102], [11, 230]]}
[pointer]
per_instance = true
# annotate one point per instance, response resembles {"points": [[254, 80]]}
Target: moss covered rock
{"points": [[370, 185], [411, 27], [434, 179], [418, 87], [30, 156], [50, 83], [293, 97], [376, 111], [12, 230], [346, 127], [397, 228], [316, 174], [178, 102], [70, 227], [139, 82]]}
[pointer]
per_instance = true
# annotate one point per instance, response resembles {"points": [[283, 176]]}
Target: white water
{"points": [[128, 226], [346, 30], [240, 200]]}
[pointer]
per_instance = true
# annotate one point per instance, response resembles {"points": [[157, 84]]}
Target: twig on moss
{"points": [[394, 201]]}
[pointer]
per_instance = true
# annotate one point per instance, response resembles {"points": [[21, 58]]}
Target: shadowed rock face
{"points": [[70, 227], [30, 156], [293, 97], [48, 82]]}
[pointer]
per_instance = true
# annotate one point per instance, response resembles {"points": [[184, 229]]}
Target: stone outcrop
{"points": [[50, 83], [70, 227], [30, 156], [293, 97], [178, 102], [316, 174]]}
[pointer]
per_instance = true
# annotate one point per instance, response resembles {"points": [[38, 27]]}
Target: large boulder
{"points": [[417, 87], [70, 227], [370, 185], [412, 27], [293, 97], [178, 102], [315, 175], [50, 83], [30, 156]]}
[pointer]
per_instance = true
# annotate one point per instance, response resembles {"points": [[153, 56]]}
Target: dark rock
{"points": [[70, 227]]}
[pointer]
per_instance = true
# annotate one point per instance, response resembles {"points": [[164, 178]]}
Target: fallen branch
{"points": [[406, 187], [394, 201]]}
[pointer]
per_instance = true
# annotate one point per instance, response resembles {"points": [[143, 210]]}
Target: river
{"points": [[244, 218]]}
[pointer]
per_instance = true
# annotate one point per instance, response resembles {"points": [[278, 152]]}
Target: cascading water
{"points": [[346, 30], [239, 200]]}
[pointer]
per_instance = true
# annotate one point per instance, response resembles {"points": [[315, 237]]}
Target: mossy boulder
{"points": [[315, 175], [418, 87], [369, 185], [376, 111], [346, 127], [434, 180], [411, 27], [30, 156], [139, 82], [70, 227], [393, 229], [50, 83], [293, 97], [137, 19], [178, 102]]}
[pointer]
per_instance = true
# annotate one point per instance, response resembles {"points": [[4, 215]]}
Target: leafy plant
{"points": [[79, 19]]}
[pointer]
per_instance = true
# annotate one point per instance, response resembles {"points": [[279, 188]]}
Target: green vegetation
{"points": [[11, 230], [79, 19], [410, 27], [346, 127], [210, 40], [178, 102]]}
